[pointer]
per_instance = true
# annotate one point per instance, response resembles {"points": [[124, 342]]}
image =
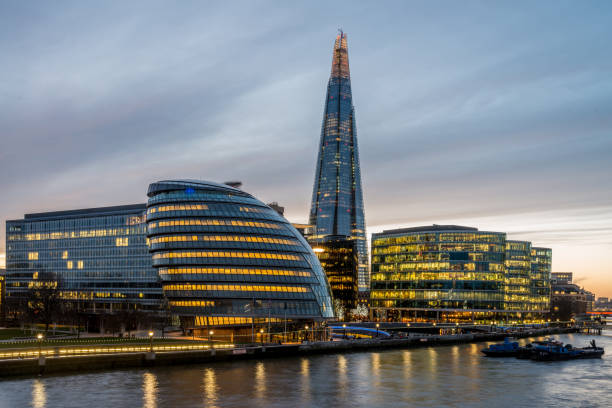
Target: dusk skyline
{"points": [[494, 117]]}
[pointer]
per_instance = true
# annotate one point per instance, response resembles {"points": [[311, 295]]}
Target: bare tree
{"points": [[42, 300]]}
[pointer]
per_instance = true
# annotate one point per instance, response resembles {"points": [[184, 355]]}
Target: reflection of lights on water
{"points": [[149, 390], [39, 394], [305, 378], [260, 379], [433, 358], [407, 357], [342, 375], [376, 364], [210, 388]]}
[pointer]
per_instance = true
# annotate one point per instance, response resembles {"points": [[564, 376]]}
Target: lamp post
{"points": [[344, 334], [262, 336], [377, 326], [306, 333], [210, 336], [151, 341], [40, 337]]}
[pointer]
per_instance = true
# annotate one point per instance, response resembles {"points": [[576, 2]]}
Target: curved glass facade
{"points": [[225, 258]]}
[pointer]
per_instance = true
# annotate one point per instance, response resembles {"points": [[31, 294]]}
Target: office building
{"points": [[97, 258], [453, 274], [338, 257], [228, 261], [337, 199], [561, 278]]}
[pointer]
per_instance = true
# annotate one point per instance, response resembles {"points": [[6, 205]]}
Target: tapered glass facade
{"points": [[337, 199], [98, 257], [455, 274], [228, 260]]}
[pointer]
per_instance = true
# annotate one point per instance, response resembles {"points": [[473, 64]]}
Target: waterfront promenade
{"points": [[74, 358]]}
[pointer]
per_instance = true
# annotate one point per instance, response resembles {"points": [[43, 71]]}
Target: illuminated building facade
{"points": [[98, 257], [338, 257], [541, 267], [337, 199], [227, 260], [451, 273], [518, 276], [2, 286]]}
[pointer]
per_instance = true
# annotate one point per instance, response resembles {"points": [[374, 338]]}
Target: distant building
{"points": [[337, 199], [541, 266], [561, 278], [230, 263], [2, 294], [280, 210], [97, 257], [338, 257], [454, 274], [568, 301]]}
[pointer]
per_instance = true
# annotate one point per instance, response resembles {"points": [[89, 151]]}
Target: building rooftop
{"points": [[428, 228], [170, 185], [98, 211]]}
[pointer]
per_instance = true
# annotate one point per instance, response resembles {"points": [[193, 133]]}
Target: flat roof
{"points": [[85, 212], [428, 228]]}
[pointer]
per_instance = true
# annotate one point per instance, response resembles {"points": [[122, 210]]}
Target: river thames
{"points": [[426, 377]]}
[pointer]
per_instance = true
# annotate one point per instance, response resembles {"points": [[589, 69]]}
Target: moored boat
{"points": [[556, 351], [506, 349]]}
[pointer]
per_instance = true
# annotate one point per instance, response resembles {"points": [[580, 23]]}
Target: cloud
{"points": [[465, 112]]}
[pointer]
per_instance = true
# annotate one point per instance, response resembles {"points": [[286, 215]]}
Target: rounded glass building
{"points": [[227, 260]]}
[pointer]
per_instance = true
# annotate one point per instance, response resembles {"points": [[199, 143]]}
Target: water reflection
{"points": [[211, 389], [39, 394], [342, 376], [305, 378], [260, 380], [425, 377], [149, 390]]}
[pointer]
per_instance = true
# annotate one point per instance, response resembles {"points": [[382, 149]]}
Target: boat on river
{"points": [[508, 348], [556, 351]]}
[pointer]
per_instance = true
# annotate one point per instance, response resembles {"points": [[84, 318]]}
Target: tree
{"points": [[361, 312], [339, 309], [42, 300]]}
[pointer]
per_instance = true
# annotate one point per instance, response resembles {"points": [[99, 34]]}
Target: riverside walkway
{"points": [[71, 358]]}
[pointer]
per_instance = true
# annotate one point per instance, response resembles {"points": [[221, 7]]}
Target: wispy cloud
{"points": [[498, 116]]}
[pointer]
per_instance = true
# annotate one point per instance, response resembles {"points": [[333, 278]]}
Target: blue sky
{"points": [[491, 114]]}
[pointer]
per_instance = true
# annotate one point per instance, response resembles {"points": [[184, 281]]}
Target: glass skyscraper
{"points": [[337, 199]]}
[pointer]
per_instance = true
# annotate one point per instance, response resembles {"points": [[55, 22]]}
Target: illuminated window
{"points": [[80, 264], [65, 255], [69, 264], [121, 241], [32, 256]]}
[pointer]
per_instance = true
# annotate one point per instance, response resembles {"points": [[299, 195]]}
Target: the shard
{"points": [[337, 199]]}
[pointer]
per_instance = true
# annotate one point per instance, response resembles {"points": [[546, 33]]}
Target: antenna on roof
{"points": [[340, 31]]}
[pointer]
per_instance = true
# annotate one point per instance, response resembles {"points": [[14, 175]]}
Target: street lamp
{"points": [[40, 337], [377, 326], [261, 331], [344, 334], [306, 333], [151, 341], [210, 333]]}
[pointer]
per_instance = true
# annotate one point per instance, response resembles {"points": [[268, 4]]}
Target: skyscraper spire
{"points": [[337, 200]]}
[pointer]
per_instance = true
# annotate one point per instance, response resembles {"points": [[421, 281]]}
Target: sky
{"points": [[496, 115]]}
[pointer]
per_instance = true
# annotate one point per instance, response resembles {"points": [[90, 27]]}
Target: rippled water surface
{"points": [[425, 377]]}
